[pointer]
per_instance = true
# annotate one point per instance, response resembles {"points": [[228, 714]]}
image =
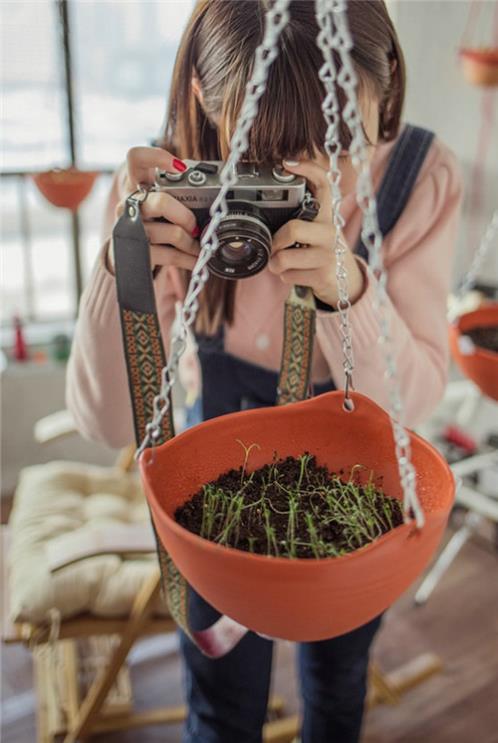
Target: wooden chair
{"points": [[106, 705], [60, 664]]}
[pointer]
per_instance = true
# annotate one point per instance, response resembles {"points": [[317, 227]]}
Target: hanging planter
{"points": [[65, 188], [298, 599], [480, 66], [473, 346]]}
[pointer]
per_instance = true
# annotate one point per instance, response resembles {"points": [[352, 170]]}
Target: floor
{"points": [[459, 623]]}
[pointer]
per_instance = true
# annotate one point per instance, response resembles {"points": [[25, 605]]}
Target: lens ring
{"points": [[244, 224]]}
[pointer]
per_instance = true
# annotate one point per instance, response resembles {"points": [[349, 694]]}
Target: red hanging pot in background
{"points": [[478, 364], [65, 188], [480, 66], [300, 599]]}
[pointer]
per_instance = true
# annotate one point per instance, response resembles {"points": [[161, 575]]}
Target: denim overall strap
{"points": [[403, 168]]}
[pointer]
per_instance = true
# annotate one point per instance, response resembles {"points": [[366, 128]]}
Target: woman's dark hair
{"points": [[218, 46]]}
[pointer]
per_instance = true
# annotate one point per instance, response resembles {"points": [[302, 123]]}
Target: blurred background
{"points": [[81, 82]]}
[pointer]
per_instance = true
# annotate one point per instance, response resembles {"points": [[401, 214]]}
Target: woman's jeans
{"points": [[227, 697]]}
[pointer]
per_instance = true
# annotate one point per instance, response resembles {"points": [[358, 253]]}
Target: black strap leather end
{"points": [[132, 261]]}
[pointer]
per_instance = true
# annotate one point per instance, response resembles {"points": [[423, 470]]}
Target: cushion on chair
{"points": [[61, 502]]}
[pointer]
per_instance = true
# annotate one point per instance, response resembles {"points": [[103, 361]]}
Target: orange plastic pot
{"points": [[478, 364], [480, 66], [65, 188], [302, 599]]}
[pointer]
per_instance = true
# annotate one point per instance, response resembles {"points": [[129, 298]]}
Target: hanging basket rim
{"points": [[402, 531], [488, 56], [456, 325], [65, 188], [75, 172]]}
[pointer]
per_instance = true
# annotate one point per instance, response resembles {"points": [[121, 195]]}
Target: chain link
{"points": [[276, 19], [332, 115], [481, 253], [339, 39]]}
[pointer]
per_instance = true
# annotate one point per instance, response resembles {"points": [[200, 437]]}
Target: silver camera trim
{"points": [[201, 196]]}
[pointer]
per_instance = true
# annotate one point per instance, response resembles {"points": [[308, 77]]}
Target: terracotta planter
{"points": [[478, 364], [480, 66], [302, 599], [65, 188]]}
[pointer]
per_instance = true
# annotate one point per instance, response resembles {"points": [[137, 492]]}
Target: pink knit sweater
{"points": [[417, 253]]}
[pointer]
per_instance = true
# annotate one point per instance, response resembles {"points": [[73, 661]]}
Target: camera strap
{"points": [[144, 351], [146, 358], [299, 330]]}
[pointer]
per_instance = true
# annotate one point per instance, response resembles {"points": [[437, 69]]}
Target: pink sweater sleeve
{"points": [[97, 391], [418, 255]]}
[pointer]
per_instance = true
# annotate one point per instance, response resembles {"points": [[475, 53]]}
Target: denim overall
{"points": [[227, 697]]}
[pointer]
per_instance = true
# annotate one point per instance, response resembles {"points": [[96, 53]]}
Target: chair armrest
{"points": [[54, 426], [122, 539]]}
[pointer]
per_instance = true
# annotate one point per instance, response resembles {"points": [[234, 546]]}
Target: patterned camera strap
{"points": [[145, 359]]}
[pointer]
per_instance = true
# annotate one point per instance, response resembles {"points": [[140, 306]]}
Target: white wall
{"points": [[30, 391], [439, 98]]}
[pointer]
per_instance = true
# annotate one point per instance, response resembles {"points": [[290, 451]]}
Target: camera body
{"points": [[263, 199]]}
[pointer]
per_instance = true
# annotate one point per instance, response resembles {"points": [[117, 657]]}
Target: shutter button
{"points": [[196, 178]]}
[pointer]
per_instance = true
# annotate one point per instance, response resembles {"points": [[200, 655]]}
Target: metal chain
{"points": [[340, 40], [481, 253], [331, 15], [332, 115], [276, 19]]}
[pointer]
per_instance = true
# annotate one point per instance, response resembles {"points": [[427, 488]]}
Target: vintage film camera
{"points": [[263, 199]]}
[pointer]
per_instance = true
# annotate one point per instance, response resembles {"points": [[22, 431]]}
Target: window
{"points": [[122, 56], [32, 116], [123, 60]]}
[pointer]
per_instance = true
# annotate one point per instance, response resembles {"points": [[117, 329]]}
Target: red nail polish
{"points": [[179, 165], [196, 231]]}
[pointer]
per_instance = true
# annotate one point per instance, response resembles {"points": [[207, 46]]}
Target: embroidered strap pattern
{"points": [[174, 586], [299, 332], [145, 359]]}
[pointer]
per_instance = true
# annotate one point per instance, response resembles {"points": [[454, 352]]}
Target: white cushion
{"points": [[59, 499]]}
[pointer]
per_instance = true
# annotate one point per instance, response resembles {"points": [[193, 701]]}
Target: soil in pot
{"points": [[292, 508], [484, 337]]}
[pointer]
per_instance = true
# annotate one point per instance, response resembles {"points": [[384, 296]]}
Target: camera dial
{"points": [[281, 175], [197, 178], [170, 176]]}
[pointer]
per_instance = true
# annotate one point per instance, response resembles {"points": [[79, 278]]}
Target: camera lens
{"points": [[244, 242], [236, 250]]}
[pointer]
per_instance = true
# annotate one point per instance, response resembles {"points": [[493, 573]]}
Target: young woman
{"points": [[240, 324]]}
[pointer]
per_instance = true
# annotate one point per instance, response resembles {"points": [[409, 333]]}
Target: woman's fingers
{"points": [[160, 233], [170, 226], [300, 258], [319, 185], [299, 231], [141, 163], [163, 255], [160, 204]]}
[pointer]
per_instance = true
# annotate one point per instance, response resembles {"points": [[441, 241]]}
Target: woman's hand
{"points": [[314, 265], [172, 243]]}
